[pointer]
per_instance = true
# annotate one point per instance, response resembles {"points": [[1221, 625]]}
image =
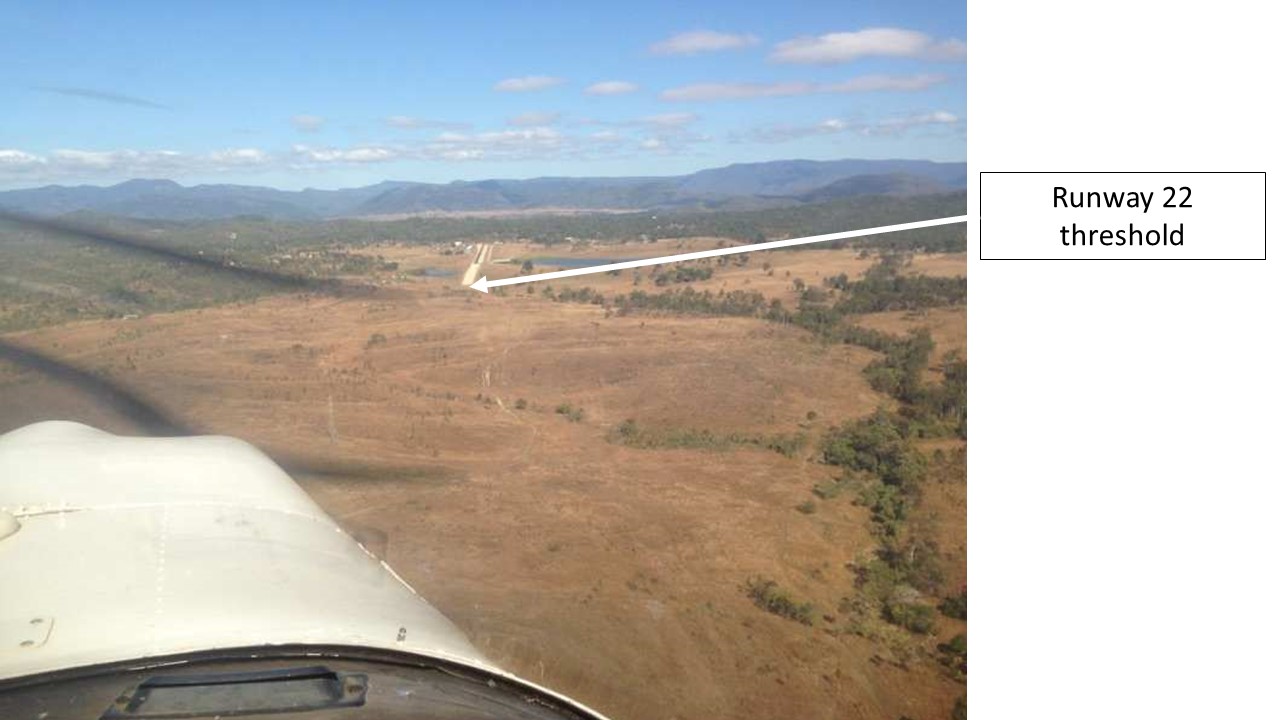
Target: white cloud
{"points": [[533, 119], [842, 47], [307, 123], [100, 95], [369, 154], [139, 161], [611, 87], [665, 133], [665, 142], [894, 125], [17, 159], [670, 119], [307, 154], [239, 157], [528, 83], [739, 91], [875, 83], [70, 163], [952, 49], [786, 132], [660, 120], [404, 122], [408, 122], [539, 143], [702, 41], [515, 144], [670, 133]]}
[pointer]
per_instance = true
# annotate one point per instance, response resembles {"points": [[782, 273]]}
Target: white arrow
{"points": [[484, 283]]}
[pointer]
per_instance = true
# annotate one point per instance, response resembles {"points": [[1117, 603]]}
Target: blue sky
{"points": [[342, 94]]}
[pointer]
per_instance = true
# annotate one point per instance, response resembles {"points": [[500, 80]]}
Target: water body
{"points": [[435, 272], [574, 262]]}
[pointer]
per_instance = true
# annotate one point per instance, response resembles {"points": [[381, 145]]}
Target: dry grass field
{"points": [[430, 420]]}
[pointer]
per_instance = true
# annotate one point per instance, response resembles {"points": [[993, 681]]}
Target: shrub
{"points": [[572, 413], [769, 597], [916, 617], [631, 434], [915, 562], [813, 295], [888, 505], [627, 431], [784, 444], [955, 606], [833, 487], [682, 274], [957, 645]]}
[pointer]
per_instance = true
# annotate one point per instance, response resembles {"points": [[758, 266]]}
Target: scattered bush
{"points": [[888, 505], [957, 645], [574, 414], [955, 606], [682, 274], [954, 655], [769, 597], [916, 617], [915, 562], [832, 488], [631, 434]]}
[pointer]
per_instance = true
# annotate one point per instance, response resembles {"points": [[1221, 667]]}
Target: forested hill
{"points": [[783, 183]]}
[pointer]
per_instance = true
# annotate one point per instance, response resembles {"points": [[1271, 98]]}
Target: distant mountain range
{"points": [[741, 186]]}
